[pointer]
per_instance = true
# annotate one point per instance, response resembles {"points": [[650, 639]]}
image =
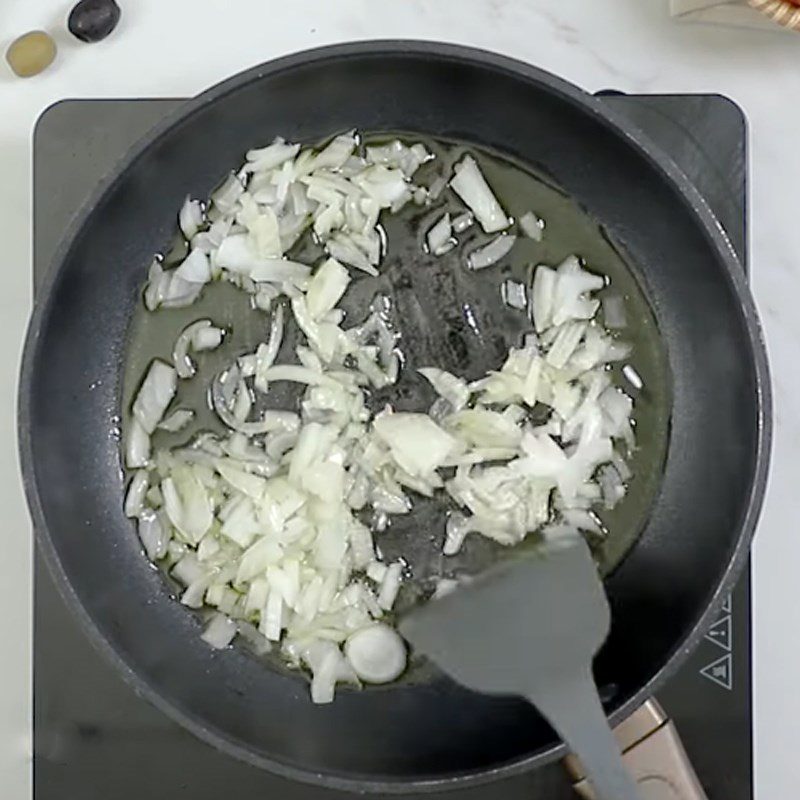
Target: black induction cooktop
{"points": [[94, 737]]}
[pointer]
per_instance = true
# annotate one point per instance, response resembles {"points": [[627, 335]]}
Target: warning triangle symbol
{"points": [[721, 633], [720, 672]]}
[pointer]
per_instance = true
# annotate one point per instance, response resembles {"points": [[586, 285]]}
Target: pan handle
{"points": [[654, 755]]}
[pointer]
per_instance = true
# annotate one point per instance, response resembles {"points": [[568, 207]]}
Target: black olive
{"points": [[93, 20]]}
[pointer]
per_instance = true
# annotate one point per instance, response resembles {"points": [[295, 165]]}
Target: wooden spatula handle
{"points": [[654, 756]]}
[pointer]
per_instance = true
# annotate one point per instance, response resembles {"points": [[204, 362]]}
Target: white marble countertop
{"points": [[171, 49]]}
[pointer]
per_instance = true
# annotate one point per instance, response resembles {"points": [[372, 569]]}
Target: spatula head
{"points": [[519, 625]]}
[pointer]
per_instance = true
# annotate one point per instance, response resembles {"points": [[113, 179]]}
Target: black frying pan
{"points": [[432, 734]]}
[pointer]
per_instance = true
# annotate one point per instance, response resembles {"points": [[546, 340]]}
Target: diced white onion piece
{"points": [[377, 571], [633, 377], [137, 489], [187, 504], [326, 288], [190, 217], [463, 221], [329, 667], [376, 653], [188, 569], [484, 428], [439, 235], [335, 153], [491, 253], [267, 353], [570, 299], [152, 535], [207, 338], [270, 421], [271, 156], [390, 586], [514, 294], [397, 154], [614, 316], [184, 366], [280, 270], [447, 386], [155, 394], [532, 226], [272, 616], [195, 268], [177, 420], [228, 193], [544, 284], [137, 445], [416, 442], [238, 254], [219, 632], [456, 530], [343, 249], [470, 185], [567, 339], [259, 644]]}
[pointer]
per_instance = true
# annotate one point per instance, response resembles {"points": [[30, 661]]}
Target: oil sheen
{"points": [[450, 317]]}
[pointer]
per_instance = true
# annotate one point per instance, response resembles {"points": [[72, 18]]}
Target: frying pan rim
{"points": [[605, 115]]}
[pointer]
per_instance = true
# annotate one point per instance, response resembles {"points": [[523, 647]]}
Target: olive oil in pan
{"points": [[447, 316]]}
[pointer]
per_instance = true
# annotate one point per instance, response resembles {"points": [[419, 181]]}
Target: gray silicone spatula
{"points": [[531, 627]]}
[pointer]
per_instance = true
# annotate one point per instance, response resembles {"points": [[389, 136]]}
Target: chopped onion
{"points": [[390, 586], [137, 445], [439, 235], [266, 354], [326, 288], [177, 420], [196, 268], [456, 530], [544, 284], [200, 332], [566, 341], [343, 249], [167, 289], [532, 226], [632, 376], [220, 631], [397, 154], [190, 217], [416, 442], [463, 221], [152, 535], [227, 195], [137, 489], [270, 421], [266, 524], [514, 294], [470, 185], [187, 504], [569, 295], [271, 156], [207, 338], [376, 653], [447, 386], [491, 253], [613, 311], [155, 394], [237, 254]]}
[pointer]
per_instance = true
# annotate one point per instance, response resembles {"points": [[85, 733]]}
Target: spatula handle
{"points": [[572, 706]]}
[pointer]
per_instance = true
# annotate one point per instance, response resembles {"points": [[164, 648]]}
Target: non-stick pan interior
{"points": [[70, 409]]}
